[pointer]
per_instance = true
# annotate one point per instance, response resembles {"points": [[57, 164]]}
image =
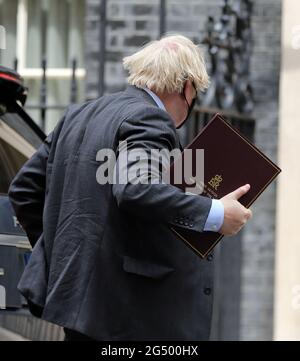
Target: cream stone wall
{"points": [[287, 269]]}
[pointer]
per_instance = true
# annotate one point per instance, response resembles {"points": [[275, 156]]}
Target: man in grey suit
{"points": [[105, 264]]}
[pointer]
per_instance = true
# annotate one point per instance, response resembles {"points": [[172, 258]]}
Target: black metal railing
{"points": [[229, 43], [202, 115], [43, 104]]}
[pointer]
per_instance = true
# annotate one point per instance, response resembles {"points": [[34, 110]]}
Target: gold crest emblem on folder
{"points": [[215, 181]]}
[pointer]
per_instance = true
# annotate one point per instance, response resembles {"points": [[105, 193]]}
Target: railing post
{"points": [[74, 88], [43, 95], [162, 18], [102, 47], [16, 64]]}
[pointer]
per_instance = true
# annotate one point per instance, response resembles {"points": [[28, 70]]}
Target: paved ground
{"points": [[6, 335]]}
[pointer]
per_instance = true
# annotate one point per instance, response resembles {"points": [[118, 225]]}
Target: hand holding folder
{"points": [[236, 215], [230, 161]]}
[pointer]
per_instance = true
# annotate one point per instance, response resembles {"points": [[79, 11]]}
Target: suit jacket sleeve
{"points": [[28, 188], [27, 192], [152, 128]]}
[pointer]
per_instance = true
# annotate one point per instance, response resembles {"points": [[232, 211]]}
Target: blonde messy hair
{"points": [[164, 65]]}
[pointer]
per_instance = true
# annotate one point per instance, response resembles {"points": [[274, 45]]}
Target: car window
{"points": [[17, 144], [17, 124], [11, 160]]}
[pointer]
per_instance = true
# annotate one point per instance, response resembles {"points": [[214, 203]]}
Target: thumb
{"points": [[239, 192]]}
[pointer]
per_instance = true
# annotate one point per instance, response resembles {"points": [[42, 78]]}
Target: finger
{"points": [[238, 193], [250, 214], [247, 215]]}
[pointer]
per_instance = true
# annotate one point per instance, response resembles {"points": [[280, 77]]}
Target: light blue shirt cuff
{"points": [[215, 217]]}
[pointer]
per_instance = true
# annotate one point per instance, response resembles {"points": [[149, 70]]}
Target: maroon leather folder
{"points": [[230, 161]]}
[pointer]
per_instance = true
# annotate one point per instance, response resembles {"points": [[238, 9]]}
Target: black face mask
{"points": [[190, 109]]}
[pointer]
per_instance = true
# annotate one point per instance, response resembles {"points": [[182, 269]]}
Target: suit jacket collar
{"points": [[141, 93]]}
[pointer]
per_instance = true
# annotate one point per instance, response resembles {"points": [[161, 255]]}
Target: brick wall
{"points": [[131, 23]]}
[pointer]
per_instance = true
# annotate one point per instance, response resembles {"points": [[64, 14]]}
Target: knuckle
{"points": [[242, 222]]}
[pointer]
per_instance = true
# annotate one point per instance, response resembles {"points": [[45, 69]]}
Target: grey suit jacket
{"points": [[104, 261]]}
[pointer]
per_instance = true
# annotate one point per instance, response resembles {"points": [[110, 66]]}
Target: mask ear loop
{"points": [[190, 107], [183, 93]]}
